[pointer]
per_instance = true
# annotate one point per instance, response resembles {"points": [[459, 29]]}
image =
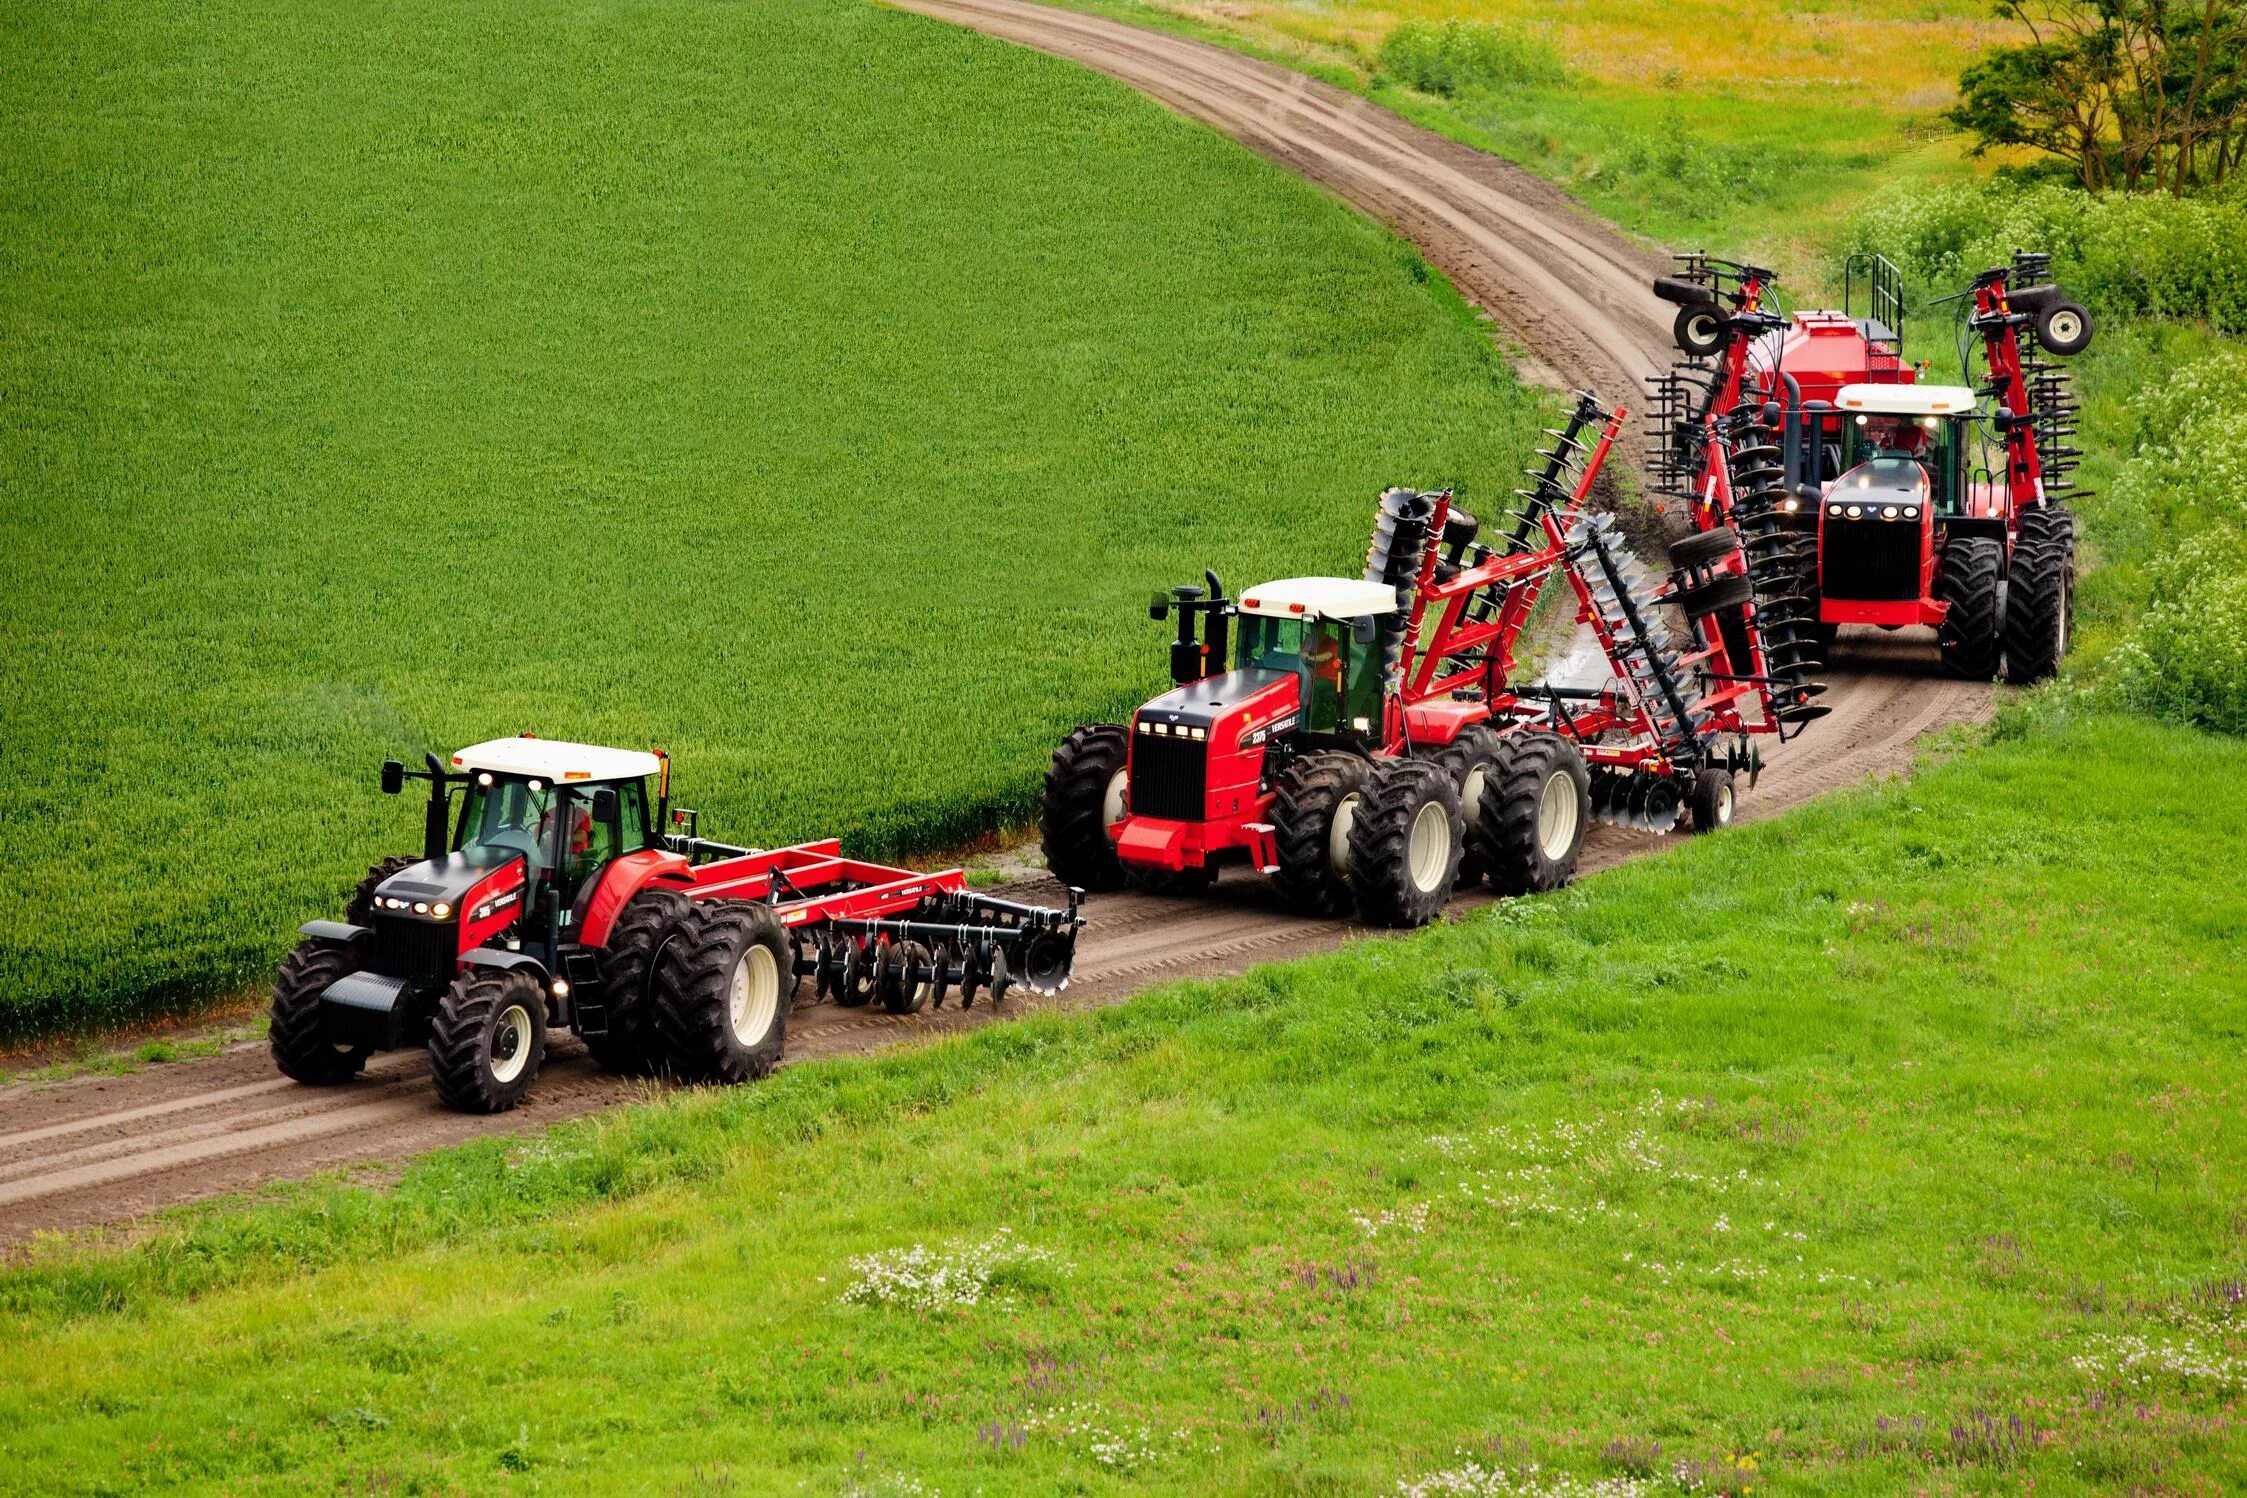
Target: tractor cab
{"points": [[1326, 632], [1908, 442]]}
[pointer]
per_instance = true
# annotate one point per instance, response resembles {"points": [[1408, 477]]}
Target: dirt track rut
{"points": [[100, 1149]]}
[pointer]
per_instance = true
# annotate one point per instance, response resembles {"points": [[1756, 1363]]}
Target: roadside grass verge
{"points": [[813, 390], [1893, 1144]]}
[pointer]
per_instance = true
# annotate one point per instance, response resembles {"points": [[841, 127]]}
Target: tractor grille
{"points": [[1872, 561], [1169, 778], [421, 952]]}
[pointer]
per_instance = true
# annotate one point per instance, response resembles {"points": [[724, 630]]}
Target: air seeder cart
{"points": [[1364, 743], [548, 898], [1864, 495]]}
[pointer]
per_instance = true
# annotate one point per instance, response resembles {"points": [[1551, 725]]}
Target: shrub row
{"points": [[1452, 56]]}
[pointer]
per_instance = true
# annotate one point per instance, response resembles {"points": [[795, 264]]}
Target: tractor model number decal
{"points": [[492, 907], [1277, 726]]}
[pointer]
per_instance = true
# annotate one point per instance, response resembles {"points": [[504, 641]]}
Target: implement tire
{"points": [[1314, 803], [1715, 801], [1085, 791], [297, 1032], [1703, 547], [1972, 632], [1405, 843], [1468, 760], [361, 908], [487, 1040], [721, 1008], [2039, 609], [652, 920], [1534, 812]]}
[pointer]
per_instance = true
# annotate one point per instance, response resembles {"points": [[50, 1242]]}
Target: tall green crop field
{"points": [[808, 389]]}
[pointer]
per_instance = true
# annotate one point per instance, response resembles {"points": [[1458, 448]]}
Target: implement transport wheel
{"points": [[298, 1031], [487, 1040], [1715, 800], [1972, 631], [1405, 843], [361, 908], [1703, 547], [1534, 811], [2064, 327], [1314, 804], [1469, 760], [1084, 797], [636, 942], [2039, 609], [721, 1008], [1699, 329], [1719, 593]]}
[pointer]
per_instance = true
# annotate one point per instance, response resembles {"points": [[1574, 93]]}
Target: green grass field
{"points": [[812, 390], [1890, 1147]]}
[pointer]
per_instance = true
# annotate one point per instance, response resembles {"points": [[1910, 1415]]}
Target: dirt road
{"points": [[103, 1149]]}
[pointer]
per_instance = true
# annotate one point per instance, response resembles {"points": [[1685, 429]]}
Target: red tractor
{"points": [[1363, 741], [549, 899], [1864, 494]]}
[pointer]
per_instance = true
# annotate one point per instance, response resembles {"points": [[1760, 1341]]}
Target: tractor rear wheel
{"points": [[1469, 760], [361, 908], [721, 1006], [1084, 797], [1314, 803], [1972, 631], [650, 923], [1405, 843], [1534, 811], [297, 1032], [488, 1039], [1715, 800], [2039, 609]]}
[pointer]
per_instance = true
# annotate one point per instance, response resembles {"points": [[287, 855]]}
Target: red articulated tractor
{"points": [[1363, 741], [549, 899], [1864, 493]]}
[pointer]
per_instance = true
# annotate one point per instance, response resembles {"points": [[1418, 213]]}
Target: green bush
{"points": [[2158, 255], [2188, 660], [1449, 57]]}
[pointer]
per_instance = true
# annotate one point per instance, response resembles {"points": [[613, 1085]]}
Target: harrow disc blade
{"points": [[1001, 979], [943, 967], [853, 985], [1046, 961], [1660, 808], [823, 979], [1803, 712]]}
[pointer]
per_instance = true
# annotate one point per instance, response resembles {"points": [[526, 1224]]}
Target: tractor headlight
{"points": [[1834, 510], [1789, 506], [1199, 733], [1888, 512], [440, 910], [1911, 512], [421, 907], [1854, 511]]}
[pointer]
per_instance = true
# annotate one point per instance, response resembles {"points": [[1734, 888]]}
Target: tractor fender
{"points": [[506, 961], [337, 931], [619, 882]]}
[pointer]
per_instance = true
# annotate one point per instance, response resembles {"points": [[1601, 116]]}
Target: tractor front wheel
{"points": [[1972, 631], [649, 924], [488, 1038], [1405, 843], [1084, 797], [297, 1032], [1314, 803], [721, 1004], [1534, 811]]}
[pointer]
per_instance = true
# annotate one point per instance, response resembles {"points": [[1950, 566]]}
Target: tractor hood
{"points": [[1261, 692], [448, 879], [1874, 489]]}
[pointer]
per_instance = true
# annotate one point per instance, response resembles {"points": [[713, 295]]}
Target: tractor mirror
{"points": [[604, 804], [393, 777], [1160, 608], [1365, 629]]}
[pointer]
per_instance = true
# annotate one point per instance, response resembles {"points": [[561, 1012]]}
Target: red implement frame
{"points": [[813, 882]]}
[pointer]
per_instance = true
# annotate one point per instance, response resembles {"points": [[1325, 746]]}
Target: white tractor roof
{"points": [[1906, 400], [556, 759], [1319, 598]]}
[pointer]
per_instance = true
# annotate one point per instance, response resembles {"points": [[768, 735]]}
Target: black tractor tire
{"points": [[361, 908], [1715, 800], [649, 923], [1699, 329], [1532, 838], [1972, 633], [297, 1032], [721, 1008], [1405, 843], [2039, 610], [1082, 787], [487, 1040], [1311, 797], [2064, 328], [1469, 760], [1718, 593], [2046, 522], [1703, 547]]}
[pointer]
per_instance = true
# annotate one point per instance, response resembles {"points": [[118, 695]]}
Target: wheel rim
{"points": [[1428, 849], [754, 997], [1557, 816], [1112, 799], [2066, 327], [1703, 329], [1724, 804], [1470, 796], [511, 1043], [1338, 836]]}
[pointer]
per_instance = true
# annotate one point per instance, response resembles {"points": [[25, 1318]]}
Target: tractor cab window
{"points": [[1933, 442], [1341, 674], [508, 816]]}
